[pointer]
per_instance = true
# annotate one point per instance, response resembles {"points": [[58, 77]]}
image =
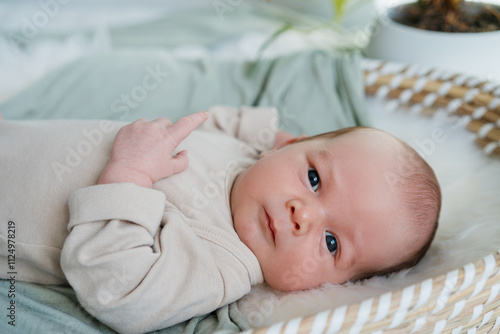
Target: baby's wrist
{"points": [[116, 174]]}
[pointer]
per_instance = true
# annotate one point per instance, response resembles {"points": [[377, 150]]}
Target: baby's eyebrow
{"points": [[350, 259], [325, 155], [325, 160]]}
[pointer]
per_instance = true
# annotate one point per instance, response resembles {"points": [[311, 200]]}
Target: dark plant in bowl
{"points": [[449, 15]]}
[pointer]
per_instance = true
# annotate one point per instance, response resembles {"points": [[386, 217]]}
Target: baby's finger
{"points": [[179, 162], [184, 126]]}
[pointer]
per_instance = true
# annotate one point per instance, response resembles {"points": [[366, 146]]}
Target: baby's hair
{"points": [[417, 184]]}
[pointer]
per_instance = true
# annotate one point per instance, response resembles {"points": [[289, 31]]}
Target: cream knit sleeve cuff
{"points": [[121, 201]]}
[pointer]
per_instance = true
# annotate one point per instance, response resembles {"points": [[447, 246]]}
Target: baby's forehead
{"points": [[371, 134], [369, 140]]}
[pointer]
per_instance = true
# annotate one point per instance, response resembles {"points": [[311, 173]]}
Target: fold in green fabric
{"points": [[314, 90]]}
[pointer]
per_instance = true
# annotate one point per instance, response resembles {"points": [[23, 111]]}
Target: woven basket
{"points": [[465, 300]]}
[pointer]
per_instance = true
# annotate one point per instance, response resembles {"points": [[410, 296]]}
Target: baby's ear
{"points": [[281, 145]]}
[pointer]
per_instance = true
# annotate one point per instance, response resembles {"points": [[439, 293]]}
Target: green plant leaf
{"points": [[339, 6], [272, 38]]}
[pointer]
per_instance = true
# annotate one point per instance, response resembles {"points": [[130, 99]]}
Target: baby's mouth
{"points": [[270, 225]]}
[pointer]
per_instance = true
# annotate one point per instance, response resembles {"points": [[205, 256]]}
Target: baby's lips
{"points": [[270, 224]]}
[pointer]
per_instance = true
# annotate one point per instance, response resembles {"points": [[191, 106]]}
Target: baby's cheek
{"points": [[306, 273]]}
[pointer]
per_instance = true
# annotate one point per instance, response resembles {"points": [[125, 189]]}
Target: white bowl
{"points": [[476, 54]]}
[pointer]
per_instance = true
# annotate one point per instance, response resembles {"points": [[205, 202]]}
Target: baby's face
{"points": [[321, 211]]}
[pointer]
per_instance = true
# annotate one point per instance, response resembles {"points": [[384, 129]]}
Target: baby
{"points": [[160, 240], [336, 207]]}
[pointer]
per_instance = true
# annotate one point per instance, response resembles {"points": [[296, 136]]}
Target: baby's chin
{"points": [[284, 287], [281, 287], [287, 282]]}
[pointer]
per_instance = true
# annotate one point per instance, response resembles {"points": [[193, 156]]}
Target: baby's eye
{"points": [[331, 242], [313, 179]]}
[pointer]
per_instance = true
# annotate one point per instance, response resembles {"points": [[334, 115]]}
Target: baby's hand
{"points": [[142, 151]]}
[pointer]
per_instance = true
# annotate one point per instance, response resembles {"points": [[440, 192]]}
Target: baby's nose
{"points": [[304, 217]]}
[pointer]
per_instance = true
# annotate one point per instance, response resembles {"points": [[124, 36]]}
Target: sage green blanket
{"points": [[315, 91]]}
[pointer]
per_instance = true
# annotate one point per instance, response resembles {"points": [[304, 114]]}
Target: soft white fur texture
{"points": [[469, 225]]}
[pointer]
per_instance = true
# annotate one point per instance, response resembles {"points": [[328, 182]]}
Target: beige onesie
{"points": [[139, 259]]}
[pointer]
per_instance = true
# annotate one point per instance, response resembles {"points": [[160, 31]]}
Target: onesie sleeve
{"points": [[256, 126], [126, 259]]}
